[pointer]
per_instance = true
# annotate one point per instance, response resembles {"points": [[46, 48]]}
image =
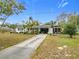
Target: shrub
{"points": [[3, 30], [70, 29]]}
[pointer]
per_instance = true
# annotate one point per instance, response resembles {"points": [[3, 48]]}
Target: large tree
{"points": [[74, 19], [8, 8], [63, 18], [71, 26], [13, 26], [78, 21], [70, 29]]}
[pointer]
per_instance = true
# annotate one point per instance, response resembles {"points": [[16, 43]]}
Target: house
{"points": [[20, 29], [47, 29]]}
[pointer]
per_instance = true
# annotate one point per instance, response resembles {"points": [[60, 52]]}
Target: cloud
{"points": [[62, 3]]}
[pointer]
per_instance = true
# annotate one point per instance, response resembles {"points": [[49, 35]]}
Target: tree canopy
{"points": [[10, 7]]}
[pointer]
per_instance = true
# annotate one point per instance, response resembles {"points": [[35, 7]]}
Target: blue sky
{"points": [[44, 10]]}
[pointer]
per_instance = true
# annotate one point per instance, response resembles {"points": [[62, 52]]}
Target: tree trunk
{"points": [[71, 36], [4, 21]]}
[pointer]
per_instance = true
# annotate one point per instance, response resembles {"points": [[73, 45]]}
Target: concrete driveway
{"points": [[23, 50]]}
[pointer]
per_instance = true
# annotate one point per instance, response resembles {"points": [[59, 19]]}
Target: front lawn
{"points": [[9, 39], [58, 47]]}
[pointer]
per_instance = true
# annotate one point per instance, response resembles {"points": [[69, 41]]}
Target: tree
{"points": [[30, 24], [52, 23], [13, 26], [63, 18], [8, 8], [71, 25], [75, 20], [70, 29], [78, 21]]}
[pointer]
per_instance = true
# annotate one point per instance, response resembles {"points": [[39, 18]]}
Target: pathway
{"points": [[23, 50]]}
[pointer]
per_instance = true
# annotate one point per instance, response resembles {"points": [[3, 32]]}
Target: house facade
{"points": [[47, 29], [20, 29]]}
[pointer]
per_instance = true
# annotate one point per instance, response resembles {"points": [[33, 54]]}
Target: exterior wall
{"points": [[54, 30], [18, 30], [50, 31]]}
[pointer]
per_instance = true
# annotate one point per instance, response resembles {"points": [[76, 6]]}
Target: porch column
{"points": [[50, 31], [38, 30]]}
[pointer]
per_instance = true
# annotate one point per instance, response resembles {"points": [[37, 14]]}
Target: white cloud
{"points": [[62, 3]]}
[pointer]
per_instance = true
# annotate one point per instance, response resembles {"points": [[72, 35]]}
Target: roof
{"points": [[44, 26]]}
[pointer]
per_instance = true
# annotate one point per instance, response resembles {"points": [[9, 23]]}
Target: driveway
{"points": [[23, 50]]}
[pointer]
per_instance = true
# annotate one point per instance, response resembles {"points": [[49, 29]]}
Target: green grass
{"points": [[49, 48], [10, 39], [65, 40], [69, 42]]}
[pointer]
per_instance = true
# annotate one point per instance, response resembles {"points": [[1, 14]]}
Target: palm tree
{"points": [[30, 23]]}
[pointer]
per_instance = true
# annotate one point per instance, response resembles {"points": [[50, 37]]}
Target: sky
{"points": [[44, 10]]}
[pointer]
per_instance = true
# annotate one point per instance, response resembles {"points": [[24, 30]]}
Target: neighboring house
{"points": [[0, 23], [5, 28], [20, 29], [48, 29]]}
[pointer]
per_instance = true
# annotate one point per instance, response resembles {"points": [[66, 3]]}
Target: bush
{"points": [[70, 29], [3, 30]]}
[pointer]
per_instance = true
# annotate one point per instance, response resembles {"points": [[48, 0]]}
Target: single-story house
{"points": [[47, 29], [20, 29]]}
